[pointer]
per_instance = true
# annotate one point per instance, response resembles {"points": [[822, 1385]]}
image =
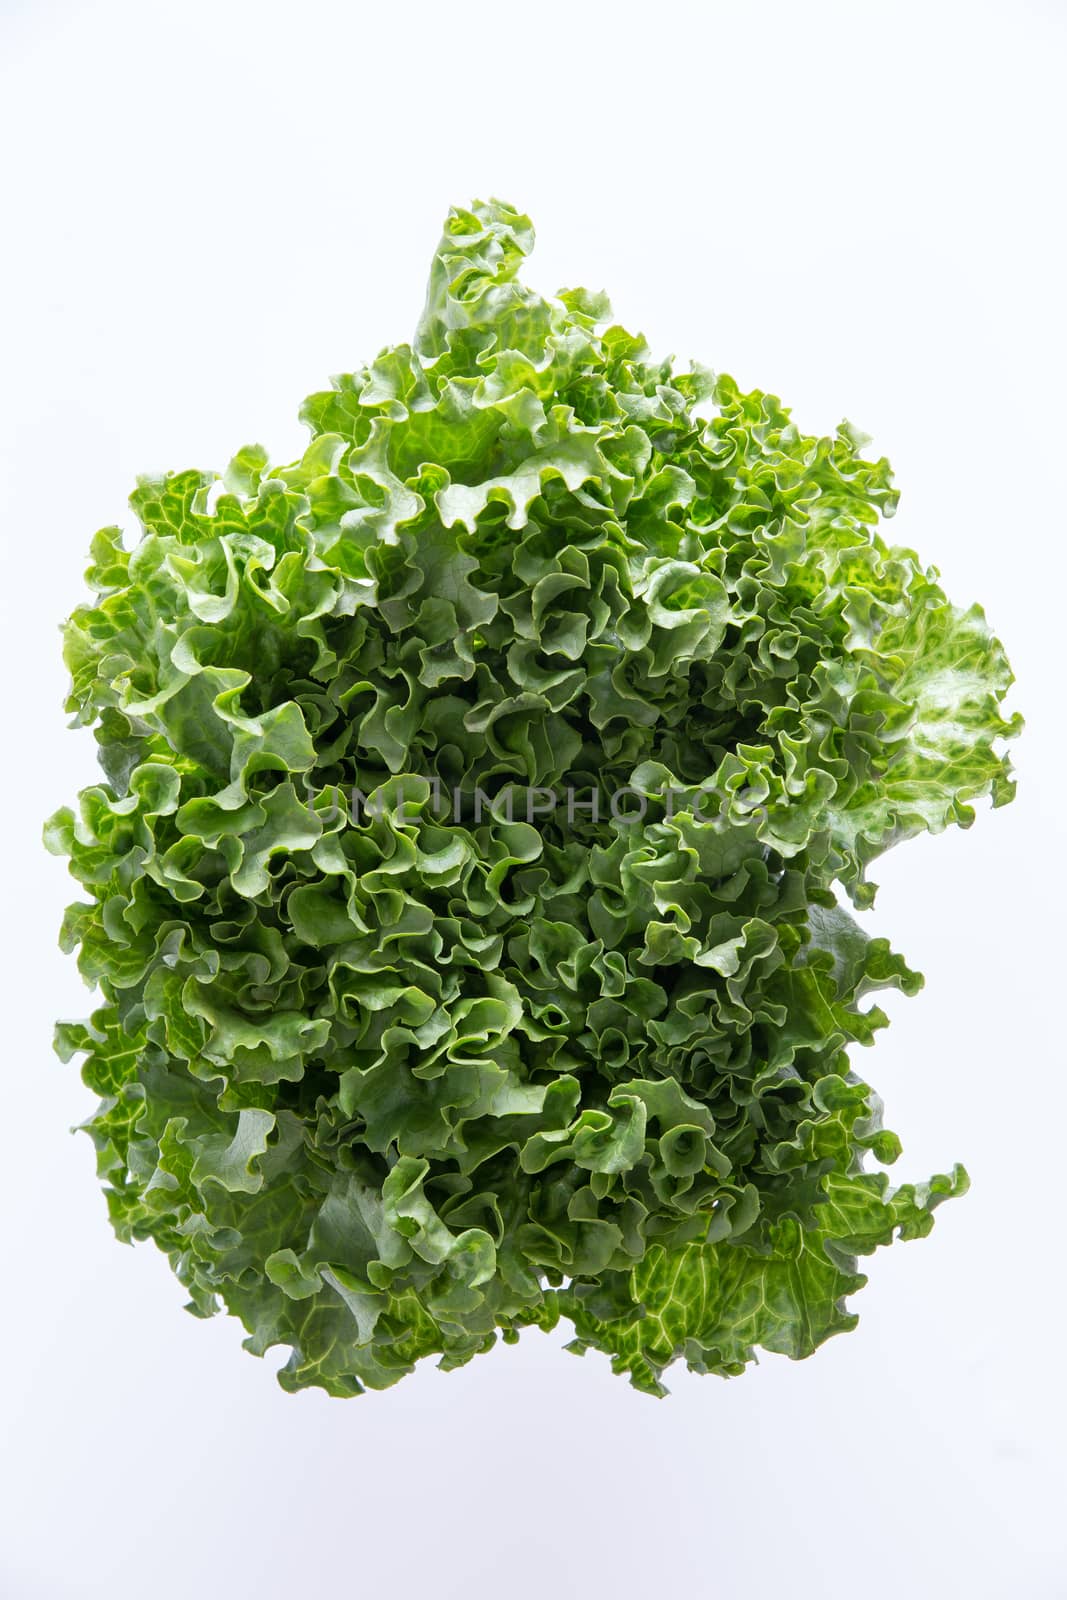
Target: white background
{"points": [[208, 209]]}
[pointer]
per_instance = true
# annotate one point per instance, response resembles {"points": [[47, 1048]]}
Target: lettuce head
{"points": [[466, 888]]}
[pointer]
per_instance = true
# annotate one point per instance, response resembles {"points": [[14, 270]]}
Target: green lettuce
{"points": [[461, 890]]}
